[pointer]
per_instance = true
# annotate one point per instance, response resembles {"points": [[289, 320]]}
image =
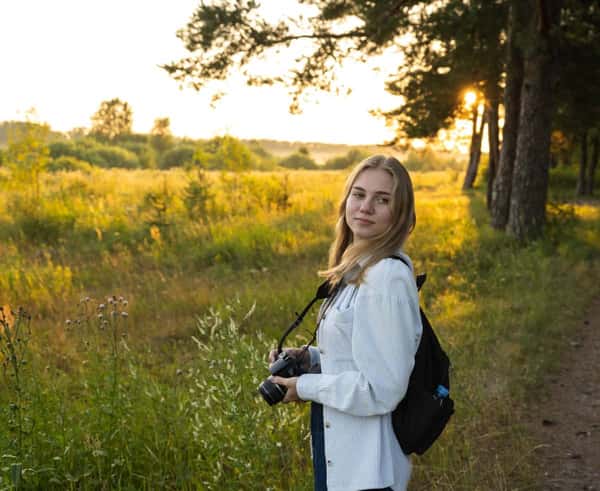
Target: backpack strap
{"points": [[420, 278]]}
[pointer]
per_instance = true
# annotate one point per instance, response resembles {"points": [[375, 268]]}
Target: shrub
{"points": [[111, 156], [99, 154], [350, 159], [45, 225], [298, 160], [144, 151], [225, 153], [429, 160], [181, 155], [68, 163]]}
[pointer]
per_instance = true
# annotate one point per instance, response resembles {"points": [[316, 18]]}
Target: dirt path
{"points": [[567, 423]]}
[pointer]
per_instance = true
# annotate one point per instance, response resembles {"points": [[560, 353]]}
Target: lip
{"points": [[364, 221]]}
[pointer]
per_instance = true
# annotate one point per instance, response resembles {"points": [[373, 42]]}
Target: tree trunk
{"points": [[581, 188], [475, 151], [527, 212], [593, 164], [501, 189], [492, 119]]}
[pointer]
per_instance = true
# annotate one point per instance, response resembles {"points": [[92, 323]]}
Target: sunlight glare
{"points": [[470, 98]]}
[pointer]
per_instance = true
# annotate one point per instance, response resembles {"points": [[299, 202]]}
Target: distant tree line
{"points": [[111, 143]]}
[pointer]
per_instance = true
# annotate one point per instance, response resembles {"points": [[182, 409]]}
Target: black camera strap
{"points": [[323, 291]]}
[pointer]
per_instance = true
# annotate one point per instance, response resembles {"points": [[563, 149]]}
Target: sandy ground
{"points": [[566, 424]]}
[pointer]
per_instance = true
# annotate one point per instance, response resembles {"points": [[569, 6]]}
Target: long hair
{"points": [[344, 254]]}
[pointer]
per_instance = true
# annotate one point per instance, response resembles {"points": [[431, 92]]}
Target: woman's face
{"points": [[368, 207]]}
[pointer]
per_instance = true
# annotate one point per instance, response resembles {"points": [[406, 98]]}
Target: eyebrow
{"points": [[385, 193]]}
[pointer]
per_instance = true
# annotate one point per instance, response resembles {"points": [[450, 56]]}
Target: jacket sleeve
{"points": [[385, 335]]}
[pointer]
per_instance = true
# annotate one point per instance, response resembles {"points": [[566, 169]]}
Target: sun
{"points": [[470, 98]]}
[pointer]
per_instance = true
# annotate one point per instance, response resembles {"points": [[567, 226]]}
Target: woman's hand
{"points": [[299, 353], [290, 383]]}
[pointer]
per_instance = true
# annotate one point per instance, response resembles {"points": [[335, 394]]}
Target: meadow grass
{"points": [[157, 388]]}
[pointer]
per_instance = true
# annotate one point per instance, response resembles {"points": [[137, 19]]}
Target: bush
{"points": [[99, 154], [351, 158], [429, 160], [44, 224], [144, 151], [181, 155], [110, 156], [225, 153], [298, 160], [68, 163]]}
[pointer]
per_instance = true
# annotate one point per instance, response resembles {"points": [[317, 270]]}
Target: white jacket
{"points": [[367, 340]]}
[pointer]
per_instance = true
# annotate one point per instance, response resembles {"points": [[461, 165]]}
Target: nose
{"points": [[366, 206]]}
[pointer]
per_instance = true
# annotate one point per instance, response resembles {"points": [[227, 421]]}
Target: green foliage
{"points": [[28, 156], [44, 222], [264, 159], [145, 153], [113, 118], [95, 153], [161, 138], [14, 338], [350, 159], [197, 197], [225, 37], [459, 45], [181, 155], [158, 203], [299, 160], [68, 163], [225, 153], [429, 160]]}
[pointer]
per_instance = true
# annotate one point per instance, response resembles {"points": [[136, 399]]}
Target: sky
{"points": [[64, 57]]}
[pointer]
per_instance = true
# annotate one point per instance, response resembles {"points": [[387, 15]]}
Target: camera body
{"points": [[285, 366]]}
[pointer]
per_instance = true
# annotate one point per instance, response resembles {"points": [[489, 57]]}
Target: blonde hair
{"points": [[343, 253]]}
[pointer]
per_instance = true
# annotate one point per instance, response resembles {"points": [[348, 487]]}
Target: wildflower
{"points": [[124, 314], [101, 306], [100, 316], [68, 322]]}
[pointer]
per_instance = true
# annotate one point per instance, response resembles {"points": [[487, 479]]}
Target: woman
{"points": [[368, 334]]}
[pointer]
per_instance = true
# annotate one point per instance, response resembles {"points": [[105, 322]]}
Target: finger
{"points": [[280, 381]]}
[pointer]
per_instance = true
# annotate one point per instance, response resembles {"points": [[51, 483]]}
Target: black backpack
{"points": [[423, 413]]}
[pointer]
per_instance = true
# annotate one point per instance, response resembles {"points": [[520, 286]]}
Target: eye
{"points": [[358, 194], [382, 200]]}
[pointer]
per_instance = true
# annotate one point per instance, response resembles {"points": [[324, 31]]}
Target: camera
{"points": [[285, 366]]}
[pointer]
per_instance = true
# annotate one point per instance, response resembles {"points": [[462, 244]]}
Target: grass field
{"points": [[153, 307]]}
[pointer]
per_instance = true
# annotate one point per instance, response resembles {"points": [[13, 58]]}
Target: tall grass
{"points": [[164, 396]]}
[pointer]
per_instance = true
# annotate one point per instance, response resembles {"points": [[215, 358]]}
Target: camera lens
{"points": [[271, 392]]}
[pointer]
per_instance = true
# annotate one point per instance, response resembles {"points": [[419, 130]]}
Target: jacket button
{"points": [[322, 351], [327, 424], [329, 463]]}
